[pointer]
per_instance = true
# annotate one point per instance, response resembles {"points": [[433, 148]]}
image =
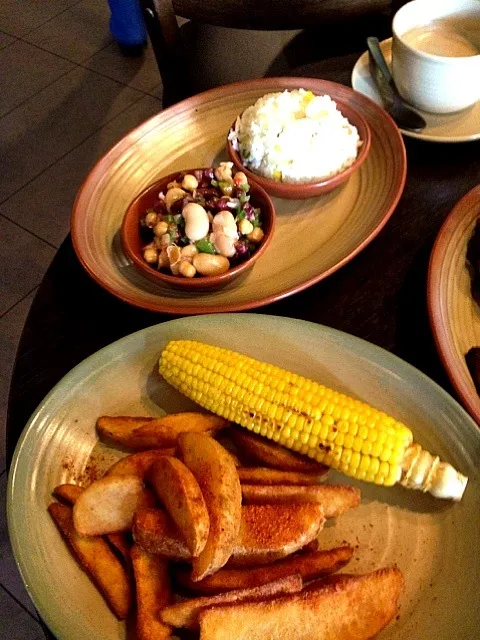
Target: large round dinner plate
{"points": [[435, 543], [454, 314], [313, 238]]}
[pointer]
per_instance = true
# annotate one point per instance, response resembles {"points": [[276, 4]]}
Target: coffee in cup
{"points": [[436, 54]]}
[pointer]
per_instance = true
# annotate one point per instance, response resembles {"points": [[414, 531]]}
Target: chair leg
{"points": [[168, 48]]}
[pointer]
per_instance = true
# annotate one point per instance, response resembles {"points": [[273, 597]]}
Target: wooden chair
{"points": [[290, 16]]}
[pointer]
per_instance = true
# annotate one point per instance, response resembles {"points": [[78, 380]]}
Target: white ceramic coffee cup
{"points": [[439, 84]]}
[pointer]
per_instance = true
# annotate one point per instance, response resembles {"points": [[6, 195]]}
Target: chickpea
{"points": [[186, 269], [151, 219], [190, 183], [173, 195], [245, 227], [165, 240], [224, 171], [150, 255], [256, 235], [160, 228], [239, 179], [174, 185], [188, 252]]}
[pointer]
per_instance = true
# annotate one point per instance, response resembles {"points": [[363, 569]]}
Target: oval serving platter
{"points": [[313, 237], [454, 314], [435, 543]]}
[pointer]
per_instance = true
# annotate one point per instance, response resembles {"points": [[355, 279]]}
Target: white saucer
{"points": [[458, 127]]}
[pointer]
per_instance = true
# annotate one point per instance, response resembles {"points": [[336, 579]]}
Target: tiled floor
{"points": [[67, 94]]}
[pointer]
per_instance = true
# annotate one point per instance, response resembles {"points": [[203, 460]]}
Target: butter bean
{"points": [[208, 264]]}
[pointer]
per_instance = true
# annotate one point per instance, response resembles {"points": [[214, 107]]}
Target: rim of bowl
{"points": [[202, 281], [309, 189], [424, 54]]}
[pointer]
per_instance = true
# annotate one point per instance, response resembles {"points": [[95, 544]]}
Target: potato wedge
{"points": [[272, 531], [264, 475], [217, 476], [121, 545], [98, 560], [353, 609], [177, 488], [267, 532], [311, 546], [154, 592], [154, 433], [335, 499], [155, 532], [68, 492], [185, 614], [274, 455], [108, 505], [309, 566], [138, 464]]}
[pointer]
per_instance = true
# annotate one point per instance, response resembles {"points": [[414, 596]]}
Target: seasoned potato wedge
{"points": [[355, 608], [108, 505], [153, 591], [185, 614], [155, 531], [138, 464], [335, 499], [68, 492], [265, 475], [217, 476], [267, 532], [98, 560], [121, 544], [178, 490], [274, 455], [309, 566], [154, 433]]}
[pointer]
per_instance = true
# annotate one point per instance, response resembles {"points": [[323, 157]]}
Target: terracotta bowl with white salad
{"points": [[297, 145]]}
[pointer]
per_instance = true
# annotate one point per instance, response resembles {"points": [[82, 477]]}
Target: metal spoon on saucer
{"points": [[401, 112]]}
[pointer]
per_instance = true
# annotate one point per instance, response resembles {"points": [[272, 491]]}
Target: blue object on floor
{"points": [[126, 23]]}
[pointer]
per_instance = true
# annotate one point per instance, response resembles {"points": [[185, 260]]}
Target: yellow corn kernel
{"points": [[291, 410]]}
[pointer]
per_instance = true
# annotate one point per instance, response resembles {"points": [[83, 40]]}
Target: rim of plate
{"points": [[441, 332], [89, 184], [385, 46], [367, 350]]}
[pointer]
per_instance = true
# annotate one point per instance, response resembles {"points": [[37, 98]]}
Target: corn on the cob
{"points": [[307, 417]]}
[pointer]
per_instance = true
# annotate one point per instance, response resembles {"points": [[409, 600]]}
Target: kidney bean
{"points": [[160, 207], [222, 204]]}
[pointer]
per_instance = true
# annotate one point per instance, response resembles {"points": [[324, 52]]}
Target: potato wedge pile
{"points": [[210, 528]]}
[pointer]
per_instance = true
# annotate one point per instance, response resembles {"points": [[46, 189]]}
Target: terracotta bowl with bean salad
{"points": [[199, 228]]}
